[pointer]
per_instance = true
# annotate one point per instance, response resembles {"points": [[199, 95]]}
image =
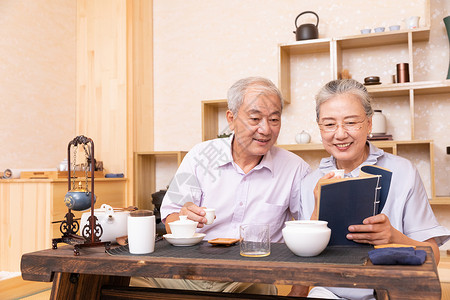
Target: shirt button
{"points": [[241, 204]]}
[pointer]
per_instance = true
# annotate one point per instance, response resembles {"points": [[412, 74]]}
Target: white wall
{"points": [[37, 86]]}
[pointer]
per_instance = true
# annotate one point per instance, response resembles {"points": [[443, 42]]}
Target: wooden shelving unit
{"points": [[334, 48], [145, 174]]}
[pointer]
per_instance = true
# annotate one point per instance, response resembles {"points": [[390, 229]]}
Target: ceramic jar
{"points": [[303, 137], [378, 122], [141, 232], [306, 237]]}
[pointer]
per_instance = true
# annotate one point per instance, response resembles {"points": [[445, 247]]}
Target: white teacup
{"points": [[339, 172], [183, 228], [210, 215]]}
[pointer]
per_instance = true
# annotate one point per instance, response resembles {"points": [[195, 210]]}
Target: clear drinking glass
{"points": [[255, 240]]}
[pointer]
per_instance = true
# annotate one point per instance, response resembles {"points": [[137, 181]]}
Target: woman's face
{"points": [[347, 142]]}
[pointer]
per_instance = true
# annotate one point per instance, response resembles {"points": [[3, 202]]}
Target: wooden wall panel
{"points": [[101, 79], [115, 80]]}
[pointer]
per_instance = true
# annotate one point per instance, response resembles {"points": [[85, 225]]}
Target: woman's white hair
{"points": [[344, 86]]}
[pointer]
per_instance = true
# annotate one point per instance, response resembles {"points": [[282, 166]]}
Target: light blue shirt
{"points": [[407, 205], [268, 194]]}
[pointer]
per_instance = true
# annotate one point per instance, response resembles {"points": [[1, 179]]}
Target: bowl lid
{"points": [[182, 221], [306, 222]]}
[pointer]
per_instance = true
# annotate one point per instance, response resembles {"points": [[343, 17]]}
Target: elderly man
{"points": [[244, 177]]}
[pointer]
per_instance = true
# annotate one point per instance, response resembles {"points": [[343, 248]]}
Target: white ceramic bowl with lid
{"points": [[306, 237], [183, 227]]}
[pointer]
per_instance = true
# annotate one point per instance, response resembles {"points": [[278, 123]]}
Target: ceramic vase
{"points": [[378, 122], [447, 26]]}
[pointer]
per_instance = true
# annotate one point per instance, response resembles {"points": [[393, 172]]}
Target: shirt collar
{"points": [[328, 164], [266, 162], [227, 157]]}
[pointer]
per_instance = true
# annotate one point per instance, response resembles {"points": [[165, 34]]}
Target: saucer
{"points": [[183, 241], [372, 83]]}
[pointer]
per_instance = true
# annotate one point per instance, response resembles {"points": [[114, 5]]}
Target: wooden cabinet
{"points": [[31, 211]]}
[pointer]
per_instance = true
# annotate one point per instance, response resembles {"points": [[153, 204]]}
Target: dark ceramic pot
{"points": [[78, 199]]}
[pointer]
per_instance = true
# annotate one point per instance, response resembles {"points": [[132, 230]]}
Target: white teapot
{"points": [[303, 137]]}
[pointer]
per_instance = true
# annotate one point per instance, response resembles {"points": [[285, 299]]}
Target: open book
{"points": [[348, 201]]}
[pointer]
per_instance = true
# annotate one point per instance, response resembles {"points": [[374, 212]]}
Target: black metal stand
{"points": [[92, 231]]}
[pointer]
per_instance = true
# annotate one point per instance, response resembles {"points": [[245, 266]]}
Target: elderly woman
{"points": [[344, 115]]}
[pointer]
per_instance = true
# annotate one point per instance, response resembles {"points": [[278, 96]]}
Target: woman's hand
{"points": [[314, 215], [375, 230]]}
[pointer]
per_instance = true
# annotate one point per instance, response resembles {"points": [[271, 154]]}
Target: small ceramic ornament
{"points": [[303, 137]]}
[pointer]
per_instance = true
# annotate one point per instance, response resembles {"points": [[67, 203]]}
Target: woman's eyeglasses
{"points": [[347, 126]]}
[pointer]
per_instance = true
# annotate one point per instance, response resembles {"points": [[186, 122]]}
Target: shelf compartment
{"points": [[402, 89], [210, 117], [145, 174], [286, 51], [383, 38], [307, 47], [385, 145], [440, 200]]}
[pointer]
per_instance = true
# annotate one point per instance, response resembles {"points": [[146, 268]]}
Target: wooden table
{"points": [[94, 268]]}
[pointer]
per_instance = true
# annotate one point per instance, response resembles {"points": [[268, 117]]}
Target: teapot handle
{"points": [[307, 12]]}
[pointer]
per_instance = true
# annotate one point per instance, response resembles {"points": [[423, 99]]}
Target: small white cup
{"points": [[339, 172], [366, 31], [141, 232], [394, 27], [210, 215], [379, 29]]}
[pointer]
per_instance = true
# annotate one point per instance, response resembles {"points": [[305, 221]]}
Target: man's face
{"points": [[256, 125]]}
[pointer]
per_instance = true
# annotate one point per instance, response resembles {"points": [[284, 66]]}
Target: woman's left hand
{"points": [[375, 230]]}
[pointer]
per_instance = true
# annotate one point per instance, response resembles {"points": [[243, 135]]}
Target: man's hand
{"points": [[192, 211]]}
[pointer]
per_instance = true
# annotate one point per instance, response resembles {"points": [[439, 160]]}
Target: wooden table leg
{"points": [[68, 286]]}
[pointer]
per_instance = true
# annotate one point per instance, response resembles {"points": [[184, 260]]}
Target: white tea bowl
{"points": [[183, 228], [306, 237]]}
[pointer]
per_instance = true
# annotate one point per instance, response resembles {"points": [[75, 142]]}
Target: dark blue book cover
{"points": [[348, 201]]}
